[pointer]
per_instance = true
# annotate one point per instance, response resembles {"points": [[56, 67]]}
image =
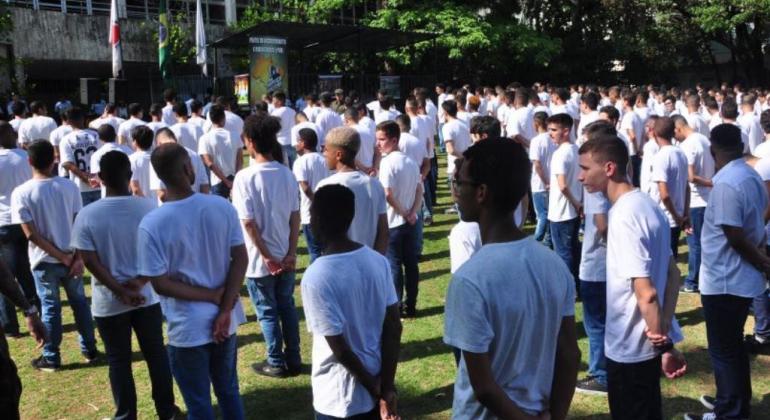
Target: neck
{"points": [[615, 189], [341, 167], [340, 246], [178, 192], [38, 174], [121, 191], [260, 158], [498, 228]]}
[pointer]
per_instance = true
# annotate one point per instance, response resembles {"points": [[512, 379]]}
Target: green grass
{"points": [[425, 373]]}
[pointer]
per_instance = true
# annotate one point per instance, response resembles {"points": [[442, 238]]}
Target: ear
{"points": [[482, 194]]}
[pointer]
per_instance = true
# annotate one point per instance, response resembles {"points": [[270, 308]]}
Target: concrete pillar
{"points": [[231, 14], [21, 77]]}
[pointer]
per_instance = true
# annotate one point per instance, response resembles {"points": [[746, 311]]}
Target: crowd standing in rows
{"points": [[169, 220]]}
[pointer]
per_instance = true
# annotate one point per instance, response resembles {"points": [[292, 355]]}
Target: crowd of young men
{"points": [[169, 220]]}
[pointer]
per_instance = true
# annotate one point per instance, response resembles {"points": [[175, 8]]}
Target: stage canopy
{"points": [[314, 37]]}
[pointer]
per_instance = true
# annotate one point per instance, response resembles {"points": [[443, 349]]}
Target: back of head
{"points": [[522, 96], [280, 96], [351, 114], [40, 154], [474, 102], [169, 95], [590, 99], [156, 110], [196, 106], [7, 136], [664, 128], [75, 115], [611, 112], [539, 118], [180, 109], [262, 131], [598, 128], [326, 98], [727, 138], [115, 169], [217, 114], [729, 109], [764, 121], [107, 133], [168, 160], [679, 121], [164, 135], [134, 109], [562, 93], [503, 166], [404, 122], [450, 107], [384, 102], [37, 107], [143, 136], [693, 102], [487, 125], [309, 137], [17, 108], [605, 148], [346, 139], [332, 211], [110, 108]]}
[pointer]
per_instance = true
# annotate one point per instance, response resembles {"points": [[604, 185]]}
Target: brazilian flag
{"points": [[163, 47]]}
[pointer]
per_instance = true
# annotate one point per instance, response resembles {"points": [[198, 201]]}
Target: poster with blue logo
{"points": [[269, 66]]}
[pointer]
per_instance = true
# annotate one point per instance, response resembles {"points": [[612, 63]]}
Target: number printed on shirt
{"points": [[83, 158]]}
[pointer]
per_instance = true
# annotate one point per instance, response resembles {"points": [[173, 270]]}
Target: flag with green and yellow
{"points": [[163, 47]]}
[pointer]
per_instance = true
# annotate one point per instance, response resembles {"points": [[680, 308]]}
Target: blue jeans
{"points": [[402, 255], [761, 306], [221, 189], [115, 330], [273, 299], [636, 165], [433, 180], [418, 226], [291, 155], [197, 369], [89, 197], [566, 242], [48, 278], [594, 295], [427, 196], [693, 246], [441, 138], [542, 230], [313, 246], [13, 252], [725, 317], [371, 415]]}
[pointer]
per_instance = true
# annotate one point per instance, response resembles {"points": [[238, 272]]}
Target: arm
{"points": [[538, 168], [289, 262], [75, 170], [205, 189], [391, 199], [33, 236], [391, 343], [565, 369], [647, 300], [737, 239], [375, 162], [216, 169], [345, 355], [671, 295], [487, 391], [11, 290], [167, 286], [238, 159], [305, 188], [665, 198], [136, 189], [601, 223], [564, 188], [424, 169], [250, 225], [103, 275], [450, 148], [417, 205], [698, 180], [381, 240], [239, 259]]}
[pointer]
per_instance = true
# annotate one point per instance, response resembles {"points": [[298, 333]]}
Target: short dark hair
{"points": [[106, 133], [75, 114], [352, 113], [134, 109], [611, 112], [562, 93], [169, 95], [156, 110], [217, 114], [591, 99], [280, 95], [17, 108], [37, 106], [729, 109], [40, 154], [450, 107], [485, 124], [115, 169], [503, 166], [195, 105], [563, 120], [607, 148], [143, 136], [168, 160], [599, 127], [538, 119], [7, 135], [110, 108], [309, 137], [664, 128], [262, 131], [404, 122], [390, 128], [180, 109], [332, 211], [764, 121], [167, 132], [727, 137]]}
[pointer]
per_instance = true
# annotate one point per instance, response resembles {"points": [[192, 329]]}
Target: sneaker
{"points": [[591, 386], [294, 370], [41, 363], [451, 210], [266, 369], [689, 289], [91, 356], [428, 221], [708, 401], [706, 416], [755, 346], [408, 313]]}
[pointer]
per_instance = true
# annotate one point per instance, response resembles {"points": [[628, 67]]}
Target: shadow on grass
{"points": [[692, 317], [432, 274], [435, 255], [434, 401]]}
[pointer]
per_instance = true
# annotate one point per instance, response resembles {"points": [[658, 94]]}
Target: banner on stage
{"points": [[391, 85], [241, 87], [269, 69]]}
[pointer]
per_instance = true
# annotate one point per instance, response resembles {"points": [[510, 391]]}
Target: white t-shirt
{"points": [[77, 148], [167, 115], [311, 112], [16, 123], [51, 204], [460, 136], [326, 120], [310, 168], [346, 294], [518, 326], [156, 125], [266, 193], [465, 117], [35, 128], [365, 153], [750, 125], [385, 115], [370, 203], [124, 130], [638, 245], [762, 150], [141, 167], [198, 122], [648, 157], [585, 119], [413, 147], [632, 121], [368, 123], [762, 166], [111, 120], [519, 121], [696, 148], [739, 199], [464, 241], [399, 173], [187, 134], [103, 150], [541, 148], [305, 124], [670, 166], [59, 133], [698, 123], [564, 161], [201, 177], [593, 260], [109, 227], [219, 145], [190, 240], [286, 115], [15, 170]]}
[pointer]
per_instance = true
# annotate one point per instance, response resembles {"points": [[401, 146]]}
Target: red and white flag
{"points": [[117, 48]]}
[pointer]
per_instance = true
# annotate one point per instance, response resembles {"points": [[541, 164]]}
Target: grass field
{"points": [[425, 373]]}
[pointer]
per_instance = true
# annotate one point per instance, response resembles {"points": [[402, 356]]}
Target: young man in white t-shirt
{"points": [[167, 112], [649, 150], [589, 103], [733, 271], [156, 116], [135, 113], [199, 185], [326, 119], [749, 122], [508, 372], [142, 140], [15, 170], [541, 148], [700, 170], [46, 206], [400, 177], [368, 156], [38, 126], [642, 285], [565, 193], [221, 153], [75, 152], [186, 132], [107, 138], [352, 311], [456, 138], [669, 175], [104, 235], [191, 249], [763, 150], [632, 125], [309, 169], [266, 197], [370, 224], [286, 115]]}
